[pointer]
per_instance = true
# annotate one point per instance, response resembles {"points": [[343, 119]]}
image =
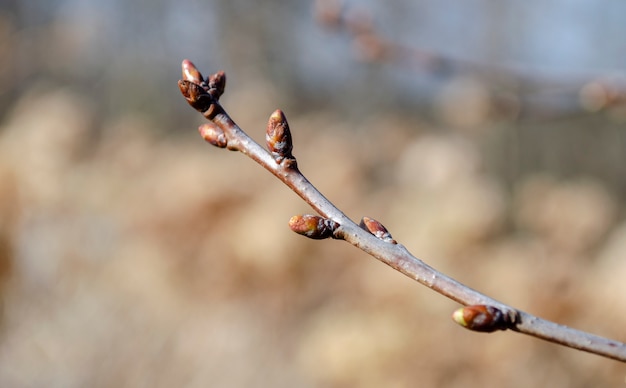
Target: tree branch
{"points": [[482, 312], [524, 89]]}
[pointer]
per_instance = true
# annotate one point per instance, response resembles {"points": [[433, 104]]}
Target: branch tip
{"points": [[191, 72]]}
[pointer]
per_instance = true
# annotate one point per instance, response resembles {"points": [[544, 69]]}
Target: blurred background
{"points": [[489, 137]]}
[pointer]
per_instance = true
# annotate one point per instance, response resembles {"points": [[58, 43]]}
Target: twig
{"points": [[511, 87], [482, 312]]}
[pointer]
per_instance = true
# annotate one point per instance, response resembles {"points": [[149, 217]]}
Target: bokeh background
{"points": [[489, 137]]}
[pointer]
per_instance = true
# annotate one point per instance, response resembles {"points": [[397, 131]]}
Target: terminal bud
{"points": [[191, 73]]}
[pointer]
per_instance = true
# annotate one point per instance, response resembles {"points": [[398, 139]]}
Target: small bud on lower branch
{"points": [[278, 137], [213, 134], [314, 227], [377, 229], [191, 73], [482, 318]]}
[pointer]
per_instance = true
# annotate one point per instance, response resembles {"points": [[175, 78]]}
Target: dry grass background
{"points": [[141, 259]]}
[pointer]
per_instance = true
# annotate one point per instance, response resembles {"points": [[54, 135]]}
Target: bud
{"points": [[213, 134], [482, 318], [278, 136], [195, 95], [377, 229], [191, 73], [217, 83], [314, 227]]}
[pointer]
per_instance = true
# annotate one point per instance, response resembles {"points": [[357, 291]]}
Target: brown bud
{"points": [[482, 318], [216, 84], [314, 227], [377, 229], [213, 134], [191, 73], [195, 95], [278, 136]]}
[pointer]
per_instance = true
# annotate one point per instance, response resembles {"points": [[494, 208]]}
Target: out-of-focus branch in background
{"points": [[506, 91]]}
